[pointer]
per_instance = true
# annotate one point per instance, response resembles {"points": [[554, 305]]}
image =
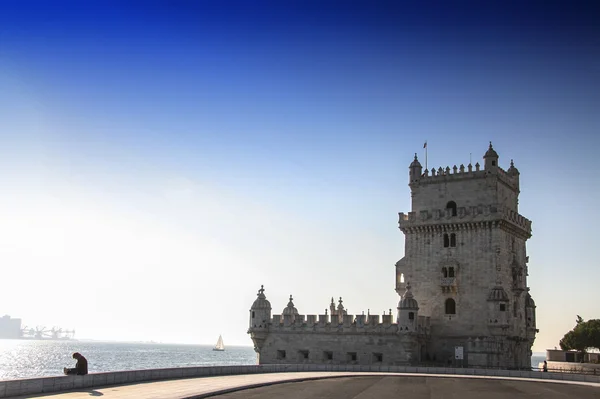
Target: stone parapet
{"points": [[36, 386], [347, 324], [447, 174], [471, 217]]}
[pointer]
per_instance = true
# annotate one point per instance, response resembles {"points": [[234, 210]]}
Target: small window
{"points": [[377, 357], [351, 356], [453, 240], [253, 314], [451, 272], [446, 241], [327, 355], [450, 306], [280, 354], [503, 307], [451, 206], [411, 315], [493, 163], [303, 355], [444, 272]]}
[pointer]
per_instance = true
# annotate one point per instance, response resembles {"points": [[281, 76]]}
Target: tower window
{"points": [[451, 207], [453, 240], [327, 355], [450, 306], [446, 241], [493, 163], [253, 314], [444, 272], [280, 354], [503, 307], [451, 272], [411, 315]]}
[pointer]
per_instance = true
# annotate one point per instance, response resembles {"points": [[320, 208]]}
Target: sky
{"points": [[159, 161]]}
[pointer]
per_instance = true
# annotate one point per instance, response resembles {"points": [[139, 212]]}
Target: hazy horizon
{"points": [[163, 160]]}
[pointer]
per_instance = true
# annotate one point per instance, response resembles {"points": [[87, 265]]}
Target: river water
{"points": [[35, 358], [32, 358]]}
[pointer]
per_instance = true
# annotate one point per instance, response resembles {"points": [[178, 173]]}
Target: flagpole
{"points": [[425, 154]]}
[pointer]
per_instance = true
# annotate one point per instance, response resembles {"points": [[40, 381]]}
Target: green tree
{"points": [[585, 336]]}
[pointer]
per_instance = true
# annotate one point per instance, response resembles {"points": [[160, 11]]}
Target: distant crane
{"points": [[41, 332]]}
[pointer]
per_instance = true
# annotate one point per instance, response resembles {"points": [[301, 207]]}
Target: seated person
{"points": [[81, 368]]}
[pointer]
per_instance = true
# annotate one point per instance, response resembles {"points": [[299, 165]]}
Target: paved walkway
{"points": [[340, 385]]}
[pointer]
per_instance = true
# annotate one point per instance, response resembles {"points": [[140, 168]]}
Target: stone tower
{"points": [[465, 257], [260, 317]]}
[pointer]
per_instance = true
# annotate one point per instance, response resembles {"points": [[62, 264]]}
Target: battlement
{"points": [[464, 215], [460, 173], [345, 324]]}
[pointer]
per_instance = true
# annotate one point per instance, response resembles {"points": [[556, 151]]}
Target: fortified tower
{"points": [[465, 258]]}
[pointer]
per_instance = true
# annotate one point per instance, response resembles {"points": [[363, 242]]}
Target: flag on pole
{"points": [[425, 145]]}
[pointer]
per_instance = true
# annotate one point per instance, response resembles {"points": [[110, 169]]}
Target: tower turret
{"points": [[260, 318], [290, 309], [530, 313], [408, 309], [491, 160], [332, 307], [514, 173], [498, 308], [416, 170], [260, 312], [340, 310]]}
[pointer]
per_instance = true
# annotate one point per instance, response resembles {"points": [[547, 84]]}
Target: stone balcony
{"points": [[448, 284], [471, 216]]}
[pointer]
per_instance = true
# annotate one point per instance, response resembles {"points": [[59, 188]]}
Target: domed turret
{"points": [[408, 301], [491, 160], [290, 309], [530, 314], [498, 294], [415, 170], [261, 301], [408, 309], [529, 303], [260, 312], [512, 170], [498, 306]]}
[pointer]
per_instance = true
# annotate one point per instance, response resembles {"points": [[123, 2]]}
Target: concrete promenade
{"points": [[334, 385]]}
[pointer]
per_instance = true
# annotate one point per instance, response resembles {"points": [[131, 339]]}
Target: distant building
{"points": [[10, 328], [462, 282]]}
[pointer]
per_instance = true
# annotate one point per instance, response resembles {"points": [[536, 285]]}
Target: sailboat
{"points": [[219, 346]]}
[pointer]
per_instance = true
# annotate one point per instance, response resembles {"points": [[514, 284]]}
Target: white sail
{"points": [[219, 346]]}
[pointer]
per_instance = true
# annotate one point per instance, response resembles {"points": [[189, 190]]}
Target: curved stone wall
{"points": [[33, 386]]}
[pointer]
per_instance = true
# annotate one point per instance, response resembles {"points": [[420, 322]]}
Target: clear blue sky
{"points": [[179, 154]]}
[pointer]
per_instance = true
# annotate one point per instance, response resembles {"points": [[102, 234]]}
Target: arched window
{"points": [[453, 240], [446, 241], [451, 272], [450, 306], [451, 206], [444, 272], [411, 316]]}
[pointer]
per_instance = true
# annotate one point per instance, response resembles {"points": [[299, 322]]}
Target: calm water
{"points": [[28, 359]]}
